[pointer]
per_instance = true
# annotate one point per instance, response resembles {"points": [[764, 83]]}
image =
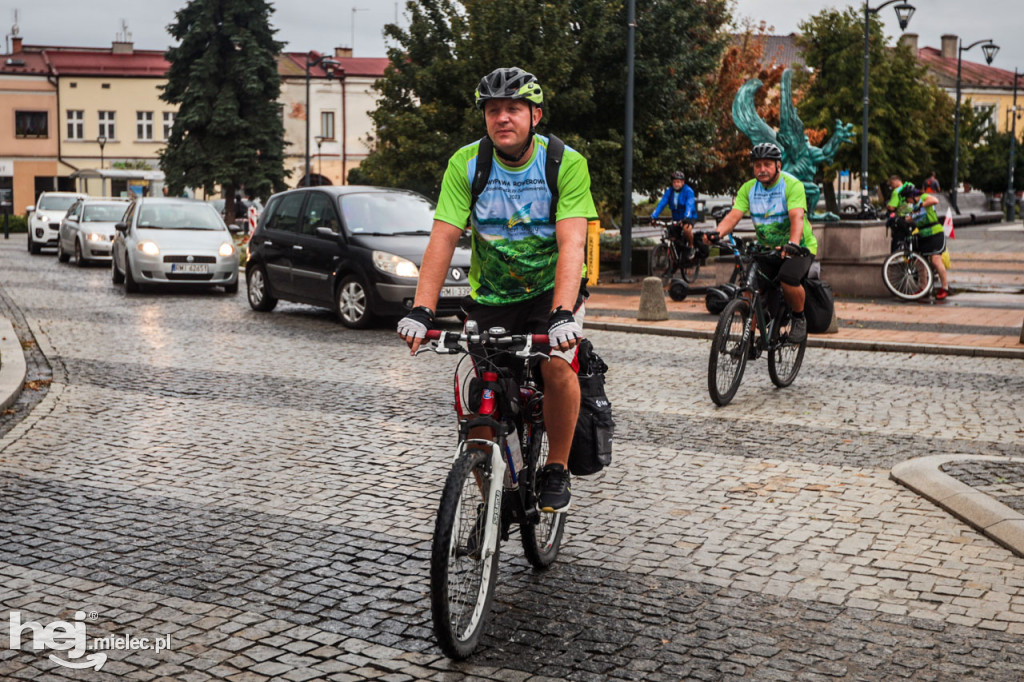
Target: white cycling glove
{"points": [[562, 327], [416, 323]]}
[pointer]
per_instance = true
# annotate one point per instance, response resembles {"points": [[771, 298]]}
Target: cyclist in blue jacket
{"points": [[681, 200]]}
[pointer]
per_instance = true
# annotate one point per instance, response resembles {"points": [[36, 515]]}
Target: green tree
{"points": [[577, 50], [908, 113], [990, 163], [223, 76]]}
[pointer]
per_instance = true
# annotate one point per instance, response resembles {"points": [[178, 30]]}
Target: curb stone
{"points": [[13, 369], [924, 476], [813, 342]]}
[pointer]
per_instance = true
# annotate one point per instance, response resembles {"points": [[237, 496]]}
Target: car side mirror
{"points": [[122, 228], [326, 233], [29, 209]]}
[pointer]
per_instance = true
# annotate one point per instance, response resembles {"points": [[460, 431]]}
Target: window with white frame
{"points": [[107, 128], [76, 124], [327, 125], [168, 124], [143, 125]]}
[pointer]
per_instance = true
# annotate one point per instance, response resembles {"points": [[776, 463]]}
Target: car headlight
{"points": [[96, 237], [226, 250], [149, 248], [395, 265], [41, 217]]}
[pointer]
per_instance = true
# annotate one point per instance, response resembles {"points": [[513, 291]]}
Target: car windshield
{"points": [[179, 216], [103, 213], [387, 212], [57, 202]]}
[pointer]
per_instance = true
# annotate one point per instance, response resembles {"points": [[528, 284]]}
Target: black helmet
{"points": [[678, 175], [909, 192], [766, 150], [511, 83]]}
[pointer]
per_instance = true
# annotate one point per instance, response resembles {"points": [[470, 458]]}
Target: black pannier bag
{"points": [[592, 442], [819, 305]]}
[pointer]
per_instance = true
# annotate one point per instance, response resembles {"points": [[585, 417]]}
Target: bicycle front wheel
{"points": [[729, 347], [784, 358], [463, 572], [907, 276], [541, 539], [663, 261]]}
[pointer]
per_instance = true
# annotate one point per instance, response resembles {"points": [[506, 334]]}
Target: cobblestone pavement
{"points": [[260, 489]]}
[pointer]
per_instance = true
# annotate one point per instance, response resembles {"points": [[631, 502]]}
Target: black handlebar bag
{"points": [[592, 442]]}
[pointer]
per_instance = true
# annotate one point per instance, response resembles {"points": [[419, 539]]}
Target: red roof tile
{"points": [[88, 63], [972, 74], [372, 67], [25, 63]]}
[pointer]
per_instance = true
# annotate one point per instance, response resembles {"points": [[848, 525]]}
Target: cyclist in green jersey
{"points": [[525, 272], [919, 209], [777, 205]]}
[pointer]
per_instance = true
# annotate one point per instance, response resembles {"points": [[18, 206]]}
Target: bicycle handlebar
{"points": [[502, 340]]}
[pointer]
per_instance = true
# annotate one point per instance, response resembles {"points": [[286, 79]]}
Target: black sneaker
{"points": [[555, 493], [798, 332]]}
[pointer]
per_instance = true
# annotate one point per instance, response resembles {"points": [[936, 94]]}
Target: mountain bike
{"points": [[906, 273], [672, 254], [493, 482], [757, 320]]}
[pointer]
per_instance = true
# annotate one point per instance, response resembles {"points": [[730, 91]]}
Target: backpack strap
{"points": [[484, 160], [556, 148]]}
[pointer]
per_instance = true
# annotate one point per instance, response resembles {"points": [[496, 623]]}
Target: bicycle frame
{"points": [[763, 320], [520, 504]]}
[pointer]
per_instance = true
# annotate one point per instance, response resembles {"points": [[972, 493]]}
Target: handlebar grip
{"points": [[433, 334]]}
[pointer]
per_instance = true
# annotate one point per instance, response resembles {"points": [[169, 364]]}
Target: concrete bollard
{"points": [[833, 326], [652, 301]]}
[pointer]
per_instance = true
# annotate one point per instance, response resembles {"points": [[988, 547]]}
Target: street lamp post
{"points": [[328, 63], [319, 160], [1011, 195], [102, 141], [990, 49], [903, 13]]}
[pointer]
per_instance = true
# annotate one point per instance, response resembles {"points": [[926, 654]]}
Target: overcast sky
{"points": [[325, 24]]}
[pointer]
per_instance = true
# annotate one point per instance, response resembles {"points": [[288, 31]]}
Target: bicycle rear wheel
{"points": [[784, 358], [542, 539], [663, 261], [463, 572], [691, 269], [907, 276], [729, 351]]}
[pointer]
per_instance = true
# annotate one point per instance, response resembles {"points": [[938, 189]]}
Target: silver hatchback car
{"points": [[88, 230], [171, 241]]}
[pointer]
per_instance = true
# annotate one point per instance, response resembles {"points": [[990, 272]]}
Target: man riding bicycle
{"points": [[526, 268], [777, 206], [680, 199]]}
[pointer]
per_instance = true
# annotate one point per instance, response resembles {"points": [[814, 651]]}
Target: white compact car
{"points": [[44, 218], [171, 241], [88, 230]]}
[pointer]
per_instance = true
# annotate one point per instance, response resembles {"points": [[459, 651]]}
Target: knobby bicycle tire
{"points": [[462, 575], [907, 276], [663, 261], [729, 349], [690, 269], [541, 540], [784, 358]]}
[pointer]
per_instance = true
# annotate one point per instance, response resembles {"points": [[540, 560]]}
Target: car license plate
{"points": [[454, 292], [190, 267]]}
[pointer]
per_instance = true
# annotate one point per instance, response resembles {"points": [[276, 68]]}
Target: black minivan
{"points": [[355, 249]]}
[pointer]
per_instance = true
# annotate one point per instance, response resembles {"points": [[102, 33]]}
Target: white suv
{"points": [[44, 218]]}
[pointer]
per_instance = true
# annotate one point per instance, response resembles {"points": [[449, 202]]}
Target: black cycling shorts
{"points": [[932, 244], [790, 270]]}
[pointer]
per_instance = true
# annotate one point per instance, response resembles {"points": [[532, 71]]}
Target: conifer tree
{"points": [[223, 76]]}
